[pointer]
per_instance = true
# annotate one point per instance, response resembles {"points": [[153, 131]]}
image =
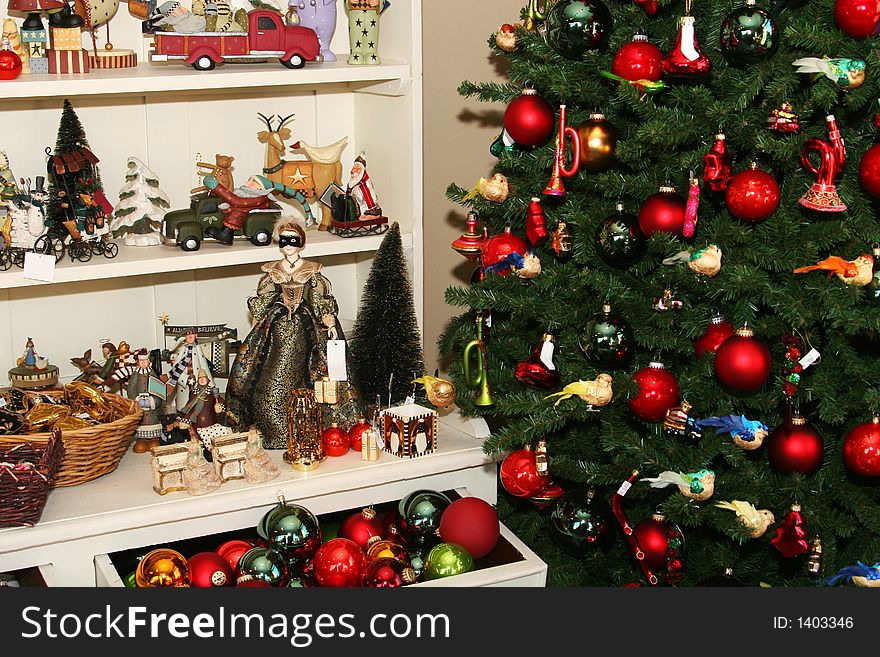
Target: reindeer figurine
{"points": [[311, 176]]}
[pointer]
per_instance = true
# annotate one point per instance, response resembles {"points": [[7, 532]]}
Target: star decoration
{"points": [[357, 44], [355, 58], [298, 176], [371, 44], [165, 319], [365, 33], [359, 22], [374, 58], [373, 23]]}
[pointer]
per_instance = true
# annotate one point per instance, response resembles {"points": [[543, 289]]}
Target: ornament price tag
{"points": [[624, 488], [547, 350], [812, 357], [39, 266], [336, 369], [479, 428]]}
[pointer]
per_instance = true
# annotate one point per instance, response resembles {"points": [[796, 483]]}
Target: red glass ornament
{"points": [[500, 246], [388, 573], [638, 60], [822, 195], [791, 537], [743, 362], [718, 330], [232, 550], [653, 535], [663, 212], [339, 563], [519, 473], [356, 434], [686, 59], [658, 392], [10, 63], [795, 448], [650, 6], [536, 223], [209, 569], [752, 195], [361, 527], [470, 243], [336, 441], [861, 448], [869, 170], [547, 495], [535, 372], [530, 120], [857, 18], [471, 523]]}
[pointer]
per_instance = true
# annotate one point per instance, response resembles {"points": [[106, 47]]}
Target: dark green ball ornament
{"points": [[262, 563], [575, 27], [749, 34], [421, 516], [581, 520], [605, 339], [619, 240], [291, 529]]}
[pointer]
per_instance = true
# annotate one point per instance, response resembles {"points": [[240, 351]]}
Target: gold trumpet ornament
{"points": [[475, 370], [554, 186]]}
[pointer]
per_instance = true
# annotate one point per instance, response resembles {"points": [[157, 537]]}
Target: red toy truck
{"points": [[267, 36]]}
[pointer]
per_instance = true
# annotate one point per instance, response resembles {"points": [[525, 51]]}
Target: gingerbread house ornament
{"points": [[409, 431]]}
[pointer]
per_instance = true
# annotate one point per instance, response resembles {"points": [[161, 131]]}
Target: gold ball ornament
{"points": [[162, 568], [441, 393], [598, 143], [506, 39]]}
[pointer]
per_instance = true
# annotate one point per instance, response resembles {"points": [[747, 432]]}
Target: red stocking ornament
{"points": [[791, 537]]}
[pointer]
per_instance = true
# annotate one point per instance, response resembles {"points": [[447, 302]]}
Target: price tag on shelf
{"points": [[336, 369], [39, 266], [480, 428]]}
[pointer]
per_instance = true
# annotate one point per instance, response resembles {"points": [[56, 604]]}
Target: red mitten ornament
{"points": [[791, 538]]}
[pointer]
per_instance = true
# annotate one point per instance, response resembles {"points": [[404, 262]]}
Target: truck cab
{"points": [[269, 34], [186, 228]]}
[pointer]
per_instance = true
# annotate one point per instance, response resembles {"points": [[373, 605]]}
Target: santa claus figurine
{"points": [[253, 195], [360, 188]]}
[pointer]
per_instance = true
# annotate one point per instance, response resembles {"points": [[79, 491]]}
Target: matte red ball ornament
{"points": [[519, 473], [869, 170], [743, 362], [857, 18], [500, 246], [336, 441], [361, 527], [530, 120], [339, 563], [638, 60], [356, 434], [795, 448], [663, 212], [658, 392], [471, 523], [752, 195], [209, 569], [861, 448], [718, 330]]}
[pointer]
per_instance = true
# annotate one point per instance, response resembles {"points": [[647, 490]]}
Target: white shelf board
{"points": [[124, 499], [177, 76], [137, 261]]}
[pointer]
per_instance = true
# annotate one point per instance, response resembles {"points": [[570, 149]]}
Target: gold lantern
{"points": [[304, 448]]}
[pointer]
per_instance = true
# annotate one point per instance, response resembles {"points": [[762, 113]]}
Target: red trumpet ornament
{"points": [[536, 223], [686, 59], [716, 164], [554, 186], [822, 195]]}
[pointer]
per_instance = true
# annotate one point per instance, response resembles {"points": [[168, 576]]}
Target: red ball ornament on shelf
{"points": [[743, 362], [638, 60], [718, 330], [519, 473], [356, 434], [335, 440], [10, 63], [388, 573], [209, 569], [752, 195], [471, 523], [861, 448], [869, 170], [857, 18], [663, 212], [361, 527], [232, 550], [500, 246], [339, 563], [658, 392], [530, 120], [795, 448]]}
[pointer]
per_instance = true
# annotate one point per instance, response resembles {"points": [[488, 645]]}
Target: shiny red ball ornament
{"points": [[471, 523], [663, 212], [356, 434], [209, 569], [519, 473], [335, 440], [797, 448], [653, 535], [530, 120], [743, 362], [869, 170], [857, 18], [231, 551], [861, 448], [717, 331], [10, 63], [339, 562], [658, 392], [361, 527], [752, 195], [388, 573], [500, 246], [638, 60]]}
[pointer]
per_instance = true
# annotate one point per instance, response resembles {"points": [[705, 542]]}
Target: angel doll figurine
{"points": [[294, 316]]}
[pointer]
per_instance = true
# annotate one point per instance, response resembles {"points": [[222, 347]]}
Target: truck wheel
{"points": [[295, 61], [204, 63], [261, 238], [191, 243]]}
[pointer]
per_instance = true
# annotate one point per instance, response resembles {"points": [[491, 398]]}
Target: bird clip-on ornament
{"points": [[845, 73], [857, 272]]}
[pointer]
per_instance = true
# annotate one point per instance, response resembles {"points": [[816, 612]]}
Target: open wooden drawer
{"points": [[511, 563], [37, 577]]}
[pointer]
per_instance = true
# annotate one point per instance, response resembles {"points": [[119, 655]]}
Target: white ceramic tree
{"points": [[141, 208]]}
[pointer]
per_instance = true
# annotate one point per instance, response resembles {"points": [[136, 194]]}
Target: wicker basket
{"points": [[94, 451], [23, 493]]}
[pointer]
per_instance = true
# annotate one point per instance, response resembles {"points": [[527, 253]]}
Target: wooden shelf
{"points": [[137, 261], [176, 77]]}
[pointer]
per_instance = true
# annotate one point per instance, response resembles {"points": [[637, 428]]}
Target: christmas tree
{"points": [[386, 344], [141, 208], [758, 447]]}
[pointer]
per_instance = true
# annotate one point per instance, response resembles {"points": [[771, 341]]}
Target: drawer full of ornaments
{"points": [[427, 538]]}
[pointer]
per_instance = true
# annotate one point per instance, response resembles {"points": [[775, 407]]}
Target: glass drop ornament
{"points": [[575, 27], [619, 240], [749, 34], [605, 339]]}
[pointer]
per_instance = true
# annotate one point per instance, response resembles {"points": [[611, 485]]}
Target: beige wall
{"points": [[458, 133]]}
